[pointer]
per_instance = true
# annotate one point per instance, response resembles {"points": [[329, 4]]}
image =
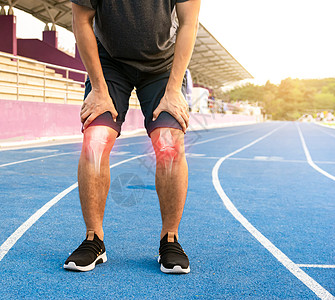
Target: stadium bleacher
{"points": [[30, 80], [23, 79]]}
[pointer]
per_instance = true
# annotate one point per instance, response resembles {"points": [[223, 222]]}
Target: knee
{"points": [[98, 140], [168, 145]]}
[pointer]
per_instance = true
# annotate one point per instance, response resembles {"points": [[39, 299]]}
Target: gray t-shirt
{"points": [[140, 33]]}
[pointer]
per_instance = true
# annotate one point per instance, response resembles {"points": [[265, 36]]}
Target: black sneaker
{"points": [[172, 256], [90, 253]]}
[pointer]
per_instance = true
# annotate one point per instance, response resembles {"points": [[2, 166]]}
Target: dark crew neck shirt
{"points": [[140, 33]]}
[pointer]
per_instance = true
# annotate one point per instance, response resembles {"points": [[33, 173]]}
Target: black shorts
{"points": [[121, 80]]}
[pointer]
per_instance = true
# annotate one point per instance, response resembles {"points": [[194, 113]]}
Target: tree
{"points": [[291, 98]]}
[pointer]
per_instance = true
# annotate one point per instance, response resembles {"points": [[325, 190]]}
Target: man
{"points": [[134, 44]]}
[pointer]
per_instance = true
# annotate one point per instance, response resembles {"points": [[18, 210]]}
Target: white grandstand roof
{"points": [[48, 11], [211, 64]]}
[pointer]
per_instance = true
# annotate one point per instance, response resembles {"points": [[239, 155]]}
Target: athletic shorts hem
{"points": [[164, 120], [106, 119]]}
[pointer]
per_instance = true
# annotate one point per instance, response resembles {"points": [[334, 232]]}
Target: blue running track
{"points": [[259, 221]]}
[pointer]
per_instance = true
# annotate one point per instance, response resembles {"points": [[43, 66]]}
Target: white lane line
{"points": [[309, 158], [269, 159], [251, 159], [320, 291], [193, 155], [36, 158], [317, 125], [218, 138], [15, 236], [129, 144], [119, 153], [42, 151], [325, 162], [316, 266], [324, 131], [279, 160]]}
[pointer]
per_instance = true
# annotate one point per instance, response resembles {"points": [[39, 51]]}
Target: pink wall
{"points": [[201, 121], [134, 120], [29, 120], [23, 120]]}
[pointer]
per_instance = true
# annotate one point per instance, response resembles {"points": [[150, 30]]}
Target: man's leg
{"points": [[171, 170], [171, 187], [94, 175], [93, 181], [171, 176]]}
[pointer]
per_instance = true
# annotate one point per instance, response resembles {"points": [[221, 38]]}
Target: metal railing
{"points": [[47, 68]]}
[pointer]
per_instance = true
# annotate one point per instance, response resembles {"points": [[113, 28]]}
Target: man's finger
{"points": [[83, 109], [186, 119], [114, 114], [182, 123], [84, 115], [89, 120], [156, 113]]}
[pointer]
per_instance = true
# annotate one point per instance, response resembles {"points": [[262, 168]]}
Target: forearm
{"points": [[87, 46], [182, 55]]}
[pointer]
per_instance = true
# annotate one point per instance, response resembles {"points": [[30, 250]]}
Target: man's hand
{"points": [[95, 104], [175, 104]]}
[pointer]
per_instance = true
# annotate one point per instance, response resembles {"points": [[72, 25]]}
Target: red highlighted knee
{"points": [[167, 147], [97, 144]]}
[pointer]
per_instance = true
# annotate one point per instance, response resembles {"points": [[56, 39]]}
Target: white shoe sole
{"points": [[176, 269], [72, 266]]}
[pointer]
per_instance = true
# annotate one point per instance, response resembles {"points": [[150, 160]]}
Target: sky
{"points": [[276, 39], [272, 39]]}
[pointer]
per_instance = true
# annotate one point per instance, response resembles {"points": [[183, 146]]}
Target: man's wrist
{"points": [[173, 87], [100, 88]]}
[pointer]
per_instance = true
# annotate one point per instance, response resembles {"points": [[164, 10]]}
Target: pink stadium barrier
{"points": [[203, 121], [24, 120]]}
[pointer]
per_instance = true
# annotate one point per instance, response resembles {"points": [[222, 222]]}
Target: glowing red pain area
{"points": [[167, 143], [97, 143]]}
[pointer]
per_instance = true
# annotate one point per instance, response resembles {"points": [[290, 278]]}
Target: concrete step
{"points": [[7, 62], [48, 72], [12, 90], [133, 100], [24, 80], [37, 98]]}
